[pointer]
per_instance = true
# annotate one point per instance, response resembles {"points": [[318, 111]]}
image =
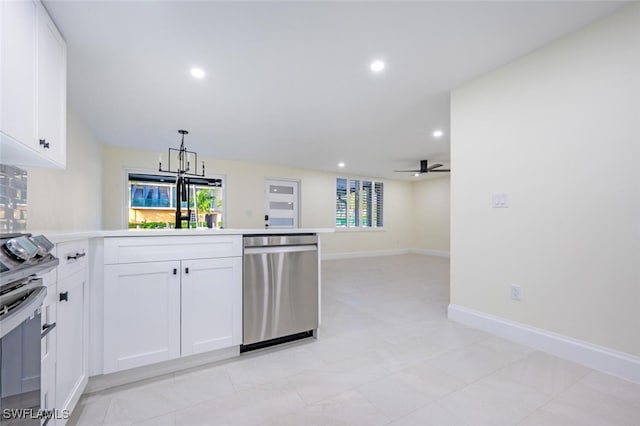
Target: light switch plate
{"points": [[500, 200]]}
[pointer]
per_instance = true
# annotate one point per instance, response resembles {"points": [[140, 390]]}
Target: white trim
{"points": [[392, 252], [106, 381], [610, 361], [430, 252], [360, 229], [360, 254]]}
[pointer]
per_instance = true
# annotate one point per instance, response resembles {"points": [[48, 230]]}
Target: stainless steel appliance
{"points": [[280, 288], [22, 258]]}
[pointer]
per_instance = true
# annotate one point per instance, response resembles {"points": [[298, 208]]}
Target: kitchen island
{"points": [[161, 300]]}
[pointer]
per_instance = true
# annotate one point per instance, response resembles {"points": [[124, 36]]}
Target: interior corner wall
{"points": [[69, 199], [558, 132], [432, 214], [244, 192]]}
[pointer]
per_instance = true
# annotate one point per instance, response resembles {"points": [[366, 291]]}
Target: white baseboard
{"points": [[106, 381], [373, 253], [607, 360], [430, 252], [359, 254]]}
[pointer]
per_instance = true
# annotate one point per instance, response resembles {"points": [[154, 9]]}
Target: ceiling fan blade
{"points": [[408, 171], [440, 170], [435, 166]]}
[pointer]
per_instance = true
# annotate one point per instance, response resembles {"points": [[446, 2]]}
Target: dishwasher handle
{"points": [[280, 249]]}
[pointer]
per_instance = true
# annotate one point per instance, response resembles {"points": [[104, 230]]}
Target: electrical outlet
{"points": [[516, 292], [500, 200]]}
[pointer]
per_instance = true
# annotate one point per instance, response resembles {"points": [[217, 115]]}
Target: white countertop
{"points": [[62, 236]]}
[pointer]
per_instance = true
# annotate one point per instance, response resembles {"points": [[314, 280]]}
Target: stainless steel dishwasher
{"points": [[280, 288]]}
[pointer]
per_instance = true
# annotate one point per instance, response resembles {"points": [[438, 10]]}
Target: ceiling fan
{"points": [[425, 168]]}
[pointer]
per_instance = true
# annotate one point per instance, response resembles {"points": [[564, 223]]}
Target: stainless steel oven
{"points": [[22, 258]]}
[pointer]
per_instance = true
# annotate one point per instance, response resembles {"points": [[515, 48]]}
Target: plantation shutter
{"points": [[378, 202], [341, 202]]}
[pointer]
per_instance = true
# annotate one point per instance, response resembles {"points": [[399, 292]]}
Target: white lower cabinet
{"points": [[71, 364], [65, 320], [160, 310], [142, 314], [210, 304]]}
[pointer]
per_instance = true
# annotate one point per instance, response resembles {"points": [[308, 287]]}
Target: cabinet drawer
{"points": [[73, 257], [158, 249]]}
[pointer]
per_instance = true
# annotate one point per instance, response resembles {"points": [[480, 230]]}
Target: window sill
{"points": [[354, 229]]}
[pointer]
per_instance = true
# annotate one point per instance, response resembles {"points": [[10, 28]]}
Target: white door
{"points": [[281, 203], [211, 304], [142, 314]]}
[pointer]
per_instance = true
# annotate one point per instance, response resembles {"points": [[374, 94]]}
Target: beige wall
{"points": [[245, 199], [557, 131], [431, 213], [70, 199]]}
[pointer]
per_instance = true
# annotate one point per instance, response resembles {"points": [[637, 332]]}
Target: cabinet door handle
{"points": [[44, 143], [46, 329], [76, 256], [64, 297], [186, 270], [175, 271]]}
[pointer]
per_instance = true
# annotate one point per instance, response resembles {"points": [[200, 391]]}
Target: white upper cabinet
{"points": [[19, 71], [33, 74], [52, 90]]}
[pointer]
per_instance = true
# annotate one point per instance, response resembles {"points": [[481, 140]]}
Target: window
{"points": [[152, 200], [359, 204]]}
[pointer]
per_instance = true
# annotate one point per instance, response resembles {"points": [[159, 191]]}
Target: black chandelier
{"points": [[182, 172]]}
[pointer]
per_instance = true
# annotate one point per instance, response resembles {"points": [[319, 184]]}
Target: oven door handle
{"points": [[23, 312], [46, 329]]}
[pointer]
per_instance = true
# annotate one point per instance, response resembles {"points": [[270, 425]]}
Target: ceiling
{"points": [[289, 82]]}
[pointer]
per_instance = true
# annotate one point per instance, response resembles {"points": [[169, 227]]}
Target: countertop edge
{"points": [[65, 236]]}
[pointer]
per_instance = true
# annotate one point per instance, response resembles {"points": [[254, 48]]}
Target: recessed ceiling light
{"points": [[197, 72], [340, 165], [377, 66], [416, 174], [438, 133]]}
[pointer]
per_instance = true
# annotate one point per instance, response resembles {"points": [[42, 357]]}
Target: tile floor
{"points": [[387, 356]]}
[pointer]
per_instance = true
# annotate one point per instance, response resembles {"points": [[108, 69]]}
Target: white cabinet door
{"points": [[52, 87], [33, 68], [48, 350], [141, 313], [211, 304], [19, 71], [72, 335]]}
